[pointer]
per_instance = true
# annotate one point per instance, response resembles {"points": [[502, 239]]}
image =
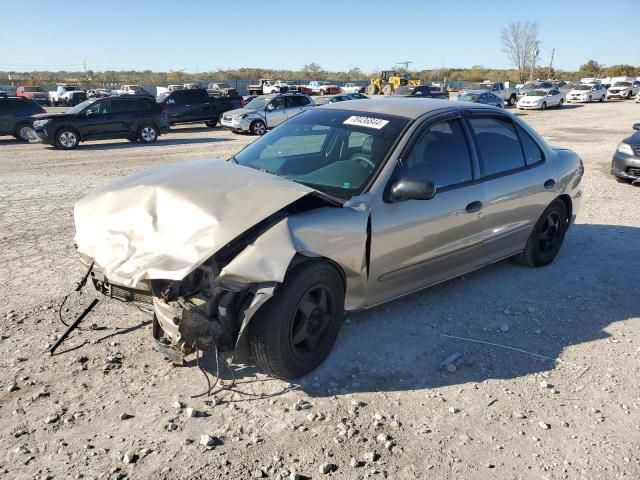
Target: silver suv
{"points": [[265, 112]]}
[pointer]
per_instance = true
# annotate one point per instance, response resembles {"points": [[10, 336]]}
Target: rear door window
{"points": [[532, 152], [498, 145], [124, 106]]}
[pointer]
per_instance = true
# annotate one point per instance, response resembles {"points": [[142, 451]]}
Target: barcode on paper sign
{"points": [[369, 122]]}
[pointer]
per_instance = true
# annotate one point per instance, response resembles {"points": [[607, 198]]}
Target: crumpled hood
{"points": [[165, 222]]}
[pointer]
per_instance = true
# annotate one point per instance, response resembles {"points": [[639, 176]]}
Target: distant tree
{"points": [[621, 71], [520, 43], [590, 69], [356, 74], [176, 77], [312, 71]]}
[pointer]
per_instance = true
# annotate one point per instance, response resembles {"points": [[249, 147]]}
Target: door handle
{"points": [[474, 207], [549, 183]]}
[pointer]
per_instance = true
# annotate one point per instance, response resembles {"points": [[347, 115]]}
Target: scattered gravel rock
{"points": [[327, 468], [453, 409], [52, 418], [130, 457], [125, 416], [544, 425]]}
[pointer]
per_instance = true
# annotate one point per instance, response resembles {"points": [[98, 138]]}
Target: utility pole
{"points": [[534, 54], [553, 52]]}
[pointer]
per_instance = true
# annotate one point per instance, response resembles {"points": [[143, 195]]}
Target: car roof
{"points": [[411, 108]]}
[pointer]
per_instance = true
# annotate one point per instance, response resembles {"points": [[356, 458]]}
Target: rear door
{"points": [[199, 106], [298, 104], [125, 116], [518, 182], [416, 243]]}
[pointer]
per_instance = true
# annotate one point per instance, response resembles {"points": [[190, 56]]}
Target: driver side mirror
{"points": [[636, 126], [171, 101], [409, 188], [91, 113], [270, 107]]}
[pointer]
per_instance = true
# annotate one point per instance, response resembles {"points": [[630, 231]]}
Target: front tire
{"points": [[387, 89], [258, 128], [601, 99], [560, 103], [148, 133], [293, 333], [543, 106], [67, 139], [546, 237]]}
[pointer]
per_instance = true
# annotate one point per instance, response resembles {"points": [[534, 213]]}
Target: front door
{"points": [[276, 112], [99, 122], [415, 243]]}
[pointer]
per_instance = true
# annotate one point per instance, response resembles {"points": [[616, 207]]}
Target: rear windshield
{"points": [[469, 97], [33, 89]]}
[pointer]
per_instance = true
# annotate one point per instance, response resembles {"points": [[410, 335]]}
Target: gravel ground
{"points": [[108, 407]]}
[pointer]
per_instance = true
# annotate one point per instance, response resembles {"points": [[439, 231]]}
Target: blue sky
{"points": [[373, 34]]}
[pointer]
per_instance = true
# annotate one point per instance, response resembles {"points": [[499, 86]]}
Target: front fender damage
{"points": [[226, 302]]}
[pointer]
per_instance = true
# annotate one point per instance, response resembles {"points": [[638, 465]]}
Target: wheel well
{"points": [[20, 124], [300, 259], [566, 199]]}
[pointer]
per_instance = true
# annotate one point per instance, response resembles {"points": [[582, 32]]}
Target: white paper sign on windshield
{"points": [[369, 122]]}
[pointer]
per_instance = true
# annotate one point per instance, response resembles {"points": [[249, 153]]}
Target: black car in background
{"points": [[15, 116], [195, 105], [625, 165], [128, 116], [424, 91]]}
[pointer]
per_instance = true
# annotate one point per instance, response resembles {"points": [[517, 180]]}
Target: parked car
{"points": [[587, 92], [542, 99], [267, 86], [480, 96], [15, 116], [422, 91], [132, 90], [195, 105], [220, 89], [126, 116], [638, 98], [343, 97], [342, 207], [67, 95], [99, 93], [36, 94], [531, 86], [625, 165], [319, 88], [623, 89], [3, 93], [265, 112], [499, 89], [352, 88]]}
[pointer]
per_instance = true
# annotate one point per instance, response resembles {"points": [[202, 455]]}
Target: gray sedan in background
{"points": [[625, 165], [342, 207], [480, 96]]}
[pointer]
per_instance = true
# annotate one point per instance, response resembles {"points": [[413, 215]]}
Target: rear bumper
{"points": [[624, 166]]}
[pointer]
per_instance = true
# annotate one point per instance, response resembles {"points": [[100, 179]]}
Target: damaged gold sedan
{"points": [[340, 208]]}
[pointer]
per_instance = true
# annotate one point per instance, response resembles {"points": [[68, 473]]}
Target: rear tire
{"points": [[294, 332], [546, 238], [22, 132], [511, 101], [387, 89], [148, 133], [213, 123], [372, 89]]}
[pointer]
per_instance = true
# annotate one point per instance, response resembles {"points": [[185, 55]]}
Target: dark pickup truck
{"points": [[421, 91], [195, 105]]}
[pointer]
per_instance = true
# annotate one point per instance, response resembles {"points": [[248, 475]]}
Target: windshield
{"points": [[81, 106], [583, 87], [530, 85], [469, 97], [622, 84], [333, 151], [483, 86], [536, 93], [258, 103]]}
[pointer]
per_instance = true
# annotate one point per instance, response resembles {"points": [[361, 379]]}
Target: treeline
{"points": [[309, 72]]}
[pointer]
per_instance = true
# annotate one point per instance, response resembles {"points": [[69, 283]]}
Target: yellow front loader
{"points": [[388, 82]]}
